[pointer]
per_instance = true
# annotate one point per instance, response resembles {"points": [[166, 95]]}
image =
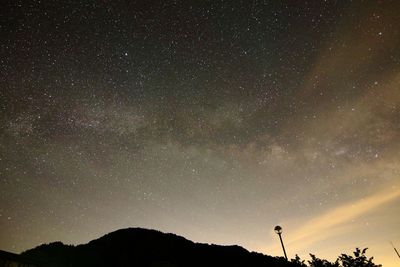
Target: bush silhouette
{"points": [[298, 261], [317, 262], [358, 260]]}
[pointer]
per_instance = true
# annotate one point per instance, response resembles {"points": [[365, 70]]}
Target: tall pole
{"points": [[278, 230], [395, 249], [283, 247]]}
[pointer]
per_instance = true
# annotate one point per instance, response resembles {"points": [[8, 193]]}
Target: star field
{"points": [[215, 120]]}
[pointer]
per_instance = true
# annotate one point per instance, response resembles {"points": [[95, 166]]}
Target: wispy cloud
{"points": [[335, 221]]}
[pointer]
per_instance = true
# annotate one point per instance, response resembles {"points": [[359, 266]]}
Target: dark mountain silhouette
{"points": [[143, 247]]}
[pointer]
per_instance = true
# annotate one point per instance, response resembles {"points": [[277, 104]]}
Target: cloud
{"points": [[334, 221], [353, 50]]}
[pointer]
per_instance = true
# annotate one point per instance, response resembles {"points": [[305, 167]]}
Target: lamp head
{"points": [[278, 229]]}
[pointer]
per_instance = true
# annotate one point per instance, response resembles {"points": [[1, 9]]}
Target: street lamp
{"points": [[278, 230]]}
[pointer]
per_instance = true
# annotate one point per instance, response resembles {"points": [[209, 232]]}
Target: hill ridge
{"points": [[148, 247]]}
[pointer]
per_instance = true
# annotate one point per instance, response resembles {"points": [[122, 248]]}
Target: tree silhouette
{"points": [[358, 260], [317, 262], [298, 261]]}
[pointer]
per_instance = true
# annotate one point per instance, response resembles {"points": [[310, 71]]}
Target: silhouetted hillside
{"points": [[142, 247]]}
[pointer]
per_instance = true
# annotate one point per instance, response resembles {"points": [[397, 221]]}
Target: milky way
{"points": [[215, 120]]}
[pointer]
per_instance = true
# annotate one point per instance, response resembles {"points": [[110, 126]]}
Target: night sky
{"points": [[215, 120]]}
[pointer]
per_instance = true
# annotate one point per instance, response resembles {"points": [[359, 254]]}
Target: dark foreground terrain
{"points": [[142, 247]]}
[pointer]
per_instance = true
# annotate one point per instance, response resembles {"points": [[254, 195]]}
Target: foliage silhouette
{"points": [[317, 262], [359, 259], [298, 261]]}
